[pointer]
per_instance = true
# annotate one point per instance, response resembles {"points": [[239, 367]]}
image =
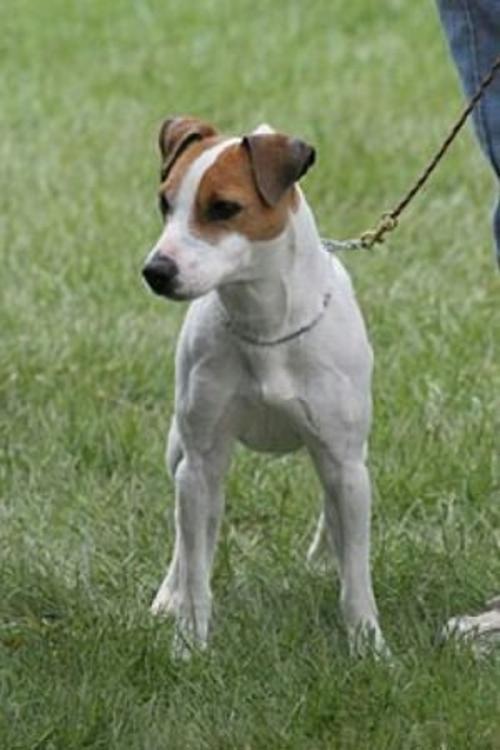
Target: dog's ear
{"points": [[177, 134], [277, 162]]}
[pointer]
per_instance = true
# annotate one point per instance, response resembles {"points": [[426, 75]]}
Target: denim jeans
{"points": [[473, 31]]}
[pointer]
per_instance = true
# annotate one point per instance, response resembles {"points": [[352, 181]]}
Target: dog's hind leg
{"points": [[324, 542], [318, 547], [173, 457], [174, 451]]}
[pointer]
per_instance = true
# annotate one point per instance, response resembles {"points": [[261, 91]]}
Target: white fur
{"points": [[312, 391], [264, 129]]}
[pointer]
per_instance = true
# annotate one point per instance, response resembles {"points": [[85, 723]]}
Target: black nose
{"points": [[160, 273]]}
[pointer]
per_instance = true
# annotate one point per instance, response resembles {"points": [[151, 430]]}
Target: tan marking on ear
{"points": [[171, 185], [179, 133], [231, 179]]}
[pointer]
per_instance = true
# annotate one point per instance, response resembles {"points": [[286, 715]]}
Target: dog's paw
{"points": [[191, 620], [367, 640], [186, 643], [163, 604]]}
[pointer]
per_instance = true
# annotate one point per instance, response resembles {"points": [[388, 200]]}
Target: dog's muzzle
{"points": [[161, 274]]}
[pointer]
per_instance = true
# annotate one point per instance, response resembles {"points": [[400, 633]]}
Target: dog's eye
{"points": [[163, 205], [223, 210]]}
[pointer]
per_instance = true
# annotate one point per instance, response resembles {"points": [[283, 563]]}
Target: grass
{"points": [[86, 386]]}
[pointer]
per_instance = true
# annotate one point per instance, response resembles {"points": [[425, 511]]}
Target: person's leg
{"points": [[473, 31], [472, 28]]}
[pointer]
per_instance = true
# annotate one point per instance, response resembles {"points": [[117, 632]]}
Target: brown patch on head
{"points": [[235, 180], [176, 135], [182, 140]]}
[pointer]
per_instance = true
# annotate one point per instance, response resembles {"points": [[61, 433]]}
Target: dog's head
{"points": [[221, 199]]}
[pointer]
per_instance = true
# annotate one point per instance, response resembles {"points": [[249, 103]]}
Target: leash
{"points": [[389, 219]]}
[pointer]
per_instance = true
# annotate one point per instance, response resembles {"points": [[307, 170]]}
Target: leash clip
{"points": [[387, 223]]}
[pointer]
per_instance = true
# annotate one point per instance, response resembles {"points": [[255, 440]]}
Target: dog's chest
{"points": [[272, 414], [272, 382]]}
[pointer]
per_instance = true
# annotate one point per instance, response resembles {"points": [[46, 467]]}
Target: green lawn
{"points": [[86, 373]]}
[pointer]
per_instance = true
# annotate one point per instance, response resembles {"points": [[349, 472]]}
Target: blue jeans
{"points": [[473, 31]]}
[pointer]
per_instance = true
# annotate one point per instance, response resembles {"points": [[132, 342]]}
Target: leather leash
{"points": [[389, 219]]}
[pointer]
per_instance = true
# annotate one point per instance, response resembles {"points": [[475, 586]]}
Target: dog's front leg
{"points": [[347, 517], [185, 592]]}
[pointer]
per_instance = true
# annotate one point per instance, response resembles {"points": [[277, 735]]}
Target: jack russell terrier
{"points": [[273, 353]]}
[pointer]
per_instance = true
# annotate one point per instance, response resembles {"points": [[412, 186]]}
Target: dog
{"points": [[273, 353]]}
